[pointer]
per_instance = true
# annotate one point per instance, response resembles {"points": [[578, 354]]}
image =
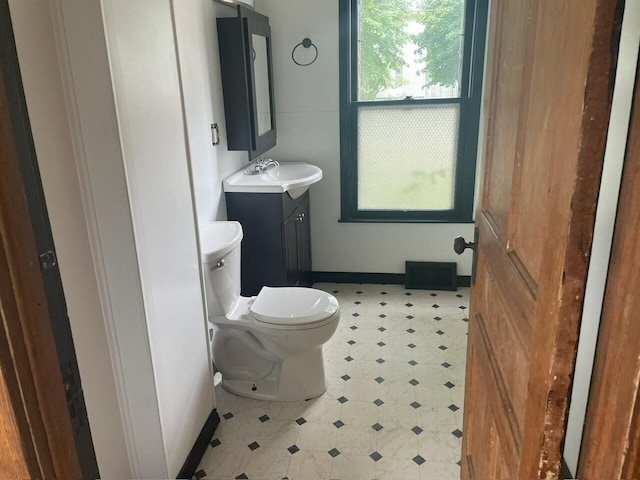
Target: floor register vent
{"points": [[431, 275]]}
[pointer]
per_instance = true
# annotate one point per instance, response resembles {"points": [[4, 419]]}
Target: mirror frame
{"points": [[255, 23]]}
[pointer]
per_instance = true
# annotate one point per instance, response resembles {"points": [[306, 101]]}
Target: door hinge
{"points": [[48, 260]]}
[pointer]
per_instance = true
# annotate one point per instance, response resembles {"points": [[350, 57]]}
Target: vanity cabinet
{"points": [[276, 246]]}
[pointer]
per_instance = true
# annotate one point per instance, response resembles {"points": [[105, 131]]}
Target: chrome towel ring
{"points": [[306, 43]]}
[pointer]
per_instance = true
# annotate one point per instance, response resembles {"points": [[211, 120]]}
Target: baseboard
{"points": [[355, 277], [375, 278], [200, 446]]}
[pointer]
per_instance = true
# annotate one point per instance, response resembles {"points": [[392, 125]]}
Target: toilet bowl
{"points": [[269, 346]]}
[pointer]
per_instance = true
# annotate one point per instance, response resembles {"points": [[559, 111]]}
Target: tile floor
{"points": [[393, 407]]}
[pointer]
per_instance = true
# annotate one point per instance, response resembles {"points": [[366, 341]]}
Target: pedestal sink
{"points": [[293, 178]]}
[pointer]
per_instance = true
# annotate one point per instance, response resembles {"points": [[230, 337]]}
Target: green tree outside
{"points": [[382, 36], [441, 41]]}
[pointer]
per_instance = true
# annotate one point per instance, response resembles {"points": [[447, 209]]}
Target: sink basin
{"points": [[293, 178]]}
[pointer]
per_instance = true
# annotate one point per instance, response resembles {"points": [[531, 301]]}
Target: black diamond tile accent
{"points": [[437, 318], [381, 344], [410, 317], [413, 363], [380, 360], [378, 402], [242, 476], [353, 327], [214, 443], [359, 292], [377, 427], [383, 303], [301, 421], [338, 424], [459, 296], [439, 332], [335, 291], [453, 407], [200, 474], [434, 294], [462, 307], [418, 459], [334, 452], [375, 456], [351, 342], [264, 418], [415, 404], [293, 449], [348, 358], [435, 305], [357, 302], [408, 294], [383, 293], [379, 379], [458, 463], [411, 345], [408, 304], [343, 399], [355, 314], [345, 377], [449, 385], [456, 433], [442, 347], [465, 320], [227, 415], [411, 330], [382, 315], [414, 382], [253, 445], [382, 329], [417, 430], [446, 364]]}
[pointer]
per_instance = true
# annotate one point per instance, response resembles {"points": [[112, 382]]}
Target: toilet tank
{"points": [[220, 250]]}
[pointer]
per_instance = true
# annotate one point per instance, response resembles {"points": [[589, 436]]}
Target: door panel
{"points": [[547, 112]]}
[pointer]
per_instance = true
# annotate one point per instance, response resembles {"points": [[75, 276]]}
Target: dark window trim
{"points": [[471, 88]]}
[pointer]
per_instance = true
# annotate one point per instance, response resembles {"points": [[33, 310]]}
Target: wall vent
{"points": [[431, 275]]}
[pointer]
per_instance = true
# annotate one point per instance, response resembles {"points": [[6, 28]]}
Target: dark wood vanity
{"points": [[276, 248]]}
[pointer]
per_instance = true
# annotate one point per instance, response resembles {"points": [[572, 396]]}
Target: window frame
{"points": [[469, 101]]}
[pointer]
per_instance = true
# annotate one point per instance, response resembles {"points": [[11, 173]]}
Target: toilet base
{"points": [[300, 377]]}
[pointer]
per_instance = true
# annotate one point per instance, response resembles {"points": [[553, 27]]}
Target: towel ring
{"points": [[306, 43]]}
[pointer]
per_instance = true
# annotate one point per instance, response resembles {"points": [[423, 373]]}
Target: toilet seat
{"points": [[293, 307]]}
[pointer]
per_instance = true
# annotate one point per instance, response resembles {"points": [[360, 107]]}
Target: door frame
{"points": [[28, 356]]}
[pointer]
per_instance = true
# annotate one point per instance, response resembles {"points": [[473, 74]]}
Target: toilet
{"points": [[267, 347]]}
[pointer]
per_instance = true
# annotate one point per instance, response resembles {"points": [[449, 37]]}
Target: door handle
{"points": [[460, 245]]}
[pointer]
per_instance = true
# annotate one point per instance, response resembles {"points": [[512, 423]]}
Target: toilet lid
{"points": [[293, 306]]}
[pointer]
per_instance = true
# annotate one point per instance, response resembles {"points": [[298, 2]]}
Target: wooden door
{"points": [[549, 78]]}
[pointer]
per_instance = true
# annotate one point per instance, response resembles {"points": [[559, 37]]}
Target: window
{"points": [[410, 85]]}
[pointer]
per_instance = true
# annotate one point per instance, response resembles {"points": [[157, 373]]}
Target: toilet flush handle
{"points": [[220, 265]]}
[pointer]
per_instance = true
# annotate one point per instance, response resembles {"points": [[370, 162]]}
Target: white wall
{"points": [[36, 45], [307, 115], [604, 228], [197, 45]]}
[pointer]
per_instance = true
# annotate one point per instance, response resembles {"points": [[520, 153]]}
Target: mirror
{"points": [[261, 69], [247, 82]]}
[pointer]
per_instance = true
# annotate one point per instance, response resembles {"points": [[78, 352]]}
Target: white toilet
{"points": [[267, 347]]}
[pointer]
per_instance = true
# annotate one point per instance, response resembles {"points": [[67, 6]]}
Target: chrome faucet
{"points": [[261, 166]]}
